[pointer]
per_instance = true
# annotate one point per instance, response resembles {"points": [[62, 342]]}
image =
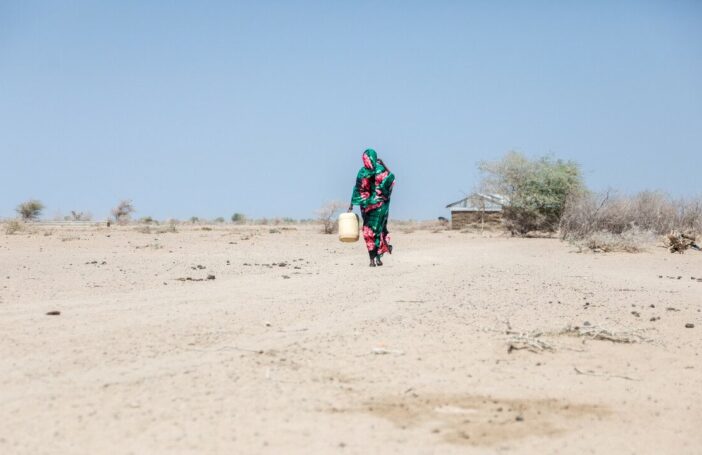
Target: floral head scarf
{"points": [[371, 164]]}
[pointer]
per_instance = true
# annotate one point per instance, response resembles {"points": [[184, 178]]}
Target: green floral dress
{"points": [[374, 184]]}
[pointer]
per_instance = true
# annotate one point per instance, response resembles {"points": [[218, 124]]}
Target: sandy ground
{"points": [[297, 346]]}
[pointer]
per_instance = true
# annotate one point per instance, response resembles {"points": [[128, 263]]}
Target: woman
{"points": [[374, 185]]}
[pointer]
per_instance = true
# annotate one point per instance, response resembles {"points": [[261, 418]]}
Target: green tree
{"points": [[30, 210], [536, 189], [239, 218]]}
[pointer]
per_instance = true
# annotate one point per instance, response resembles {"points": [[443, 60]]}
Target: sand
{"points": [[296, 346]]}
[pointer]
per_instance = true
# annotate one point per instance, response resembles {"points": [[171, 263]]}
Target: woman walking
{"points": [[374, 185]]}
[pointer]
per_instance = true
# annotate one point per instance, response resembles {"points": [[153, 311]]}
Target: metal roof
{"points": [[478, 202]]}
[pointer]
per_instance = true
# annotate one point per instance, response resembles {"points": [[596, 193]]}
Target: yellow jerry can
{"points": [[348, 227]]}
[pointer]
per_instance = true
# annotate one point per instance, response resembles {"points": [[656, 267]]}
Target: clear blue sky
{"points": [[264, 107]]}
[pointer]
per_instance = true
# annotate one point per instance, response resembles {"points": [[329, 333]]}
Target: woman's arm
{"points": [[356, 197]]}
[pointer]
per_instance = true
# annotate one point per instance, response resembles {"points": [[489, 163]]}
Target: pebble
{"points": [[53, 313], [689, 325]]}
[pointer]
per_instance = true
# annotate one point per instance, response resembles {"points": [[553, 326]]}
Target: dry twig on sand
{"points": [[517, 341], [592, 373], [383, 351], [534, 341], [529, 341], [599, 333]]}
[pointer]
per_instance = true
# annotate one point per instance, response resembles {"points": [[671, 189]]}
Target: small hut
{"points": [[477, 209]]}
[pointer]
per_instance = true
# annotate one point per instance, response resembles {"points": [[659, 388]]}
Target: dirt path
{"points": [[297, 347]]}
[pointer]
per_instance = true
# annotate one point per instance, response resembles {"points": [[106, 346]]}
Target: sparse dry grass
{"points": [[631, 241], [649, 211], [169, 228], [13, 227]]}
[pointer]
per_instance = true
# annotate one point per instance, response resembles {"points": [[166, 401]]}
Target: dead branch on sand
{"points": [[678, 242], [592, 373], [534, 341], [599, 333], [528, 341]]}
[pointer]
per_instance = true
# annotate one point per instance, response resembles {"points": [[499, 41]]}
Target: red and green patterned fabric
{"points": [[374, 184]]}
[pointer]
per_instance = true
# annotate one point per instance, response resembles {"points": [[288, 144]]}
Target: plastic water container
{"points": [[348, 227]]}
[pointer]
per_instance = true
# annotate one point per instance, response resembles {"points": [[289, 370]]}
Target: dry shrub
{"points": [[689, 215], [79, 216], [326, 215], [633, 240], [13, 227], [586, 213], [123, 211], [170, 228], [610, 222]]}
